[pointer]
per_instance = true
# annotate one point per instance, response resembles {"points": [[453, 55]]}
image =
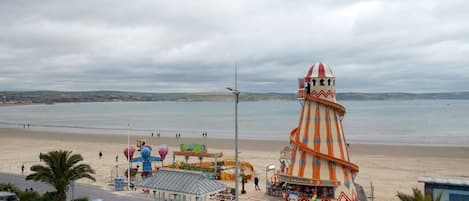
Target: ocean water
{"points": [[426, 122]]}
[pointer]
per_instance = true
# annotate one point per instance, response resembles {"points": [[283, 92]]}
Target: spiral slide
{"points": [[294, 133]]}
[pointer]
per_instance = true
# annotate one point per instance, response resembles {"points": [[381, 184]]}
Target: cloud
{"points": [[186, 46]]}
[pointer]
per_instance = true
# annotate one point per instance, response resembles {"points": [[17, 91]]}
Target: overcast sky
{"points": [[192, 46]]}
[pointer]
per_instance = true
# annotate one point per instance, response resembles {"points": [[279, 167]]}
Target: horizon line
{"points": [[222, 92]]}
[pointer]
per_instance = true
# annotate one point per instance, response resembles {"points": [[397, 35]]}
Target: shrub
{"points": [[81, 199], [29, 196], [49, 196]]}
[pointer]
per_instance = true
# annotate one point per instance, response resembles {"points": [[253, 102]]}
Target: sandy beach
{"points": [[391, 168]]}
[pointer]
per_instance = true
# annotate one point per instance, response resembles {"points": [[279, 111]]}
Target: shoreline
{"points": [[217, 143], [227, 143], [84, 130]]}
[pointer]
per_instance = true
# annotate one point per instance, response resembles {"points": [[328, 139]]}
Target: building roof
{"points": [[452, 182], [320, 70], [182, 182]]}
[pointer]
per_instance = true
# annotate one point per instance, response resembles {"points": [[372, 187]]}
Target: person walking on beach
{"points": [[117, 158], [100, 155], [22, 169], [152, 134], [256, 183]]}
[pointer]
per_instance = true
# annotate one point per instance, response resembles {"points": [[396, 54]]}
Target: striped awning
{"points": [[181, 182]]}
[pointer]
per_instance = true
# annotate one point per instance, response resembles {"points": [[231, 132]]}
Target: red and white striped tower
{"points": [[319, 153]]}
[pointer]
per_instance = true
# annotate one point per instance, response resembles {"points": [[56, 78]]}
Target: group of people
{"points": [[178, 135], [100, 155]]}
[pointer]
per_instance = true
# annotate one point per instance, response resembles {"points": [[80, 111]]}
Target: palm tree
{"points": [[60, 170], [417, 195]]}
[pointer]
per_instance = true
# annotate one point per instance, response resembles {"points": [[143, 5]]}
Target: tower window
{"points": [[314, 82], [333, 82], [329, 82], [321, 82]]}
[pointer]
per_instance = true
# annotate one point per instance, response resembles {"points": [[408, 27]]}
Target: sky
{"points": [[193, 46]]}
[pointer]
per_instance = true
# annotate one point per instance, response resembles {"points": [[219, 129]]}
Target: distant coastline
{"points": [[50, 97]]}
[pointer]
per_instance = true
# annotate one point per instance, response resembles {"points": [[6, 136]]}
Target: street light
{"points": [[267, 170], [236, 93], [128, 157]]}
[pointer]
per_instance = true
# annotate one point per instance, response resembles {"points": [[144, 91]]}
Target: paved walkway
{"points": [[81, 190]]}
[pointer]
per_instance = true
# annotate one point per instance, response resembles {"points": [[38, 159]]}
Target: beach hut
{"points": [[450, 189], [318, 165], [172, 184]]}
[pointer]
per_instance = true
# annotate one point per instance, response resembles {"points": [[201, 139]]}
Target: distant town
{"points": [[51, 97]]}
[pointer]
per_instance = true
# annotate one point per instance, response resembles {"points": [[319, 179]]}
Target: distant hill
{"points": [[402, 96], [50, 97]]}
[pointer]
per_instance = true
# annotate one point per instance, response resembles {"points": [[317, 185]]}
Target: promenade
{"points": [[81, 190]]}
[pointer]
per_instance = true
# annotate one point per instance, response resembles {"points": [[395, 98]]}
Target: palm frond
{"points": [[60, 169], [417, 195], [405, 197]]}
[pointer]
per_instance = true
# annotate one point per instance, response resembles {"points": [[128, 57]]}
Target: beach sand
{"points": [[391, 168]]}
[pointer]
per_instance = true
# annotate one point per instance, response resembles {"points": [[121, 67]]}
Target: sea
{"points": [[413, 122]]}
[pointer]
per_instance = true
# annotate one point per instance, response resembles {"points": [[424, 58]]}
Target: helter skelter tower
{"points": [[319, 155]]}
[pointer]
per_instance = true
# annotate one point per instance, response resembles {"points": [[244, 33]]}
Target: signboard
{"points": [[194, 148]]}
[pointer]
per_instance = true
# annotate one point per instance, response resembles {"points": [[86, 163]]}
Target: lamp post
{"points": [[267, 183], [128, 157], [236, 93]]}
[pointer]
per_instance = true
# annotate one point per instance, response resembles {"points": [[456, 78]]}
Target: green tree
{"points": [[60, 169], [417, 195]]}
